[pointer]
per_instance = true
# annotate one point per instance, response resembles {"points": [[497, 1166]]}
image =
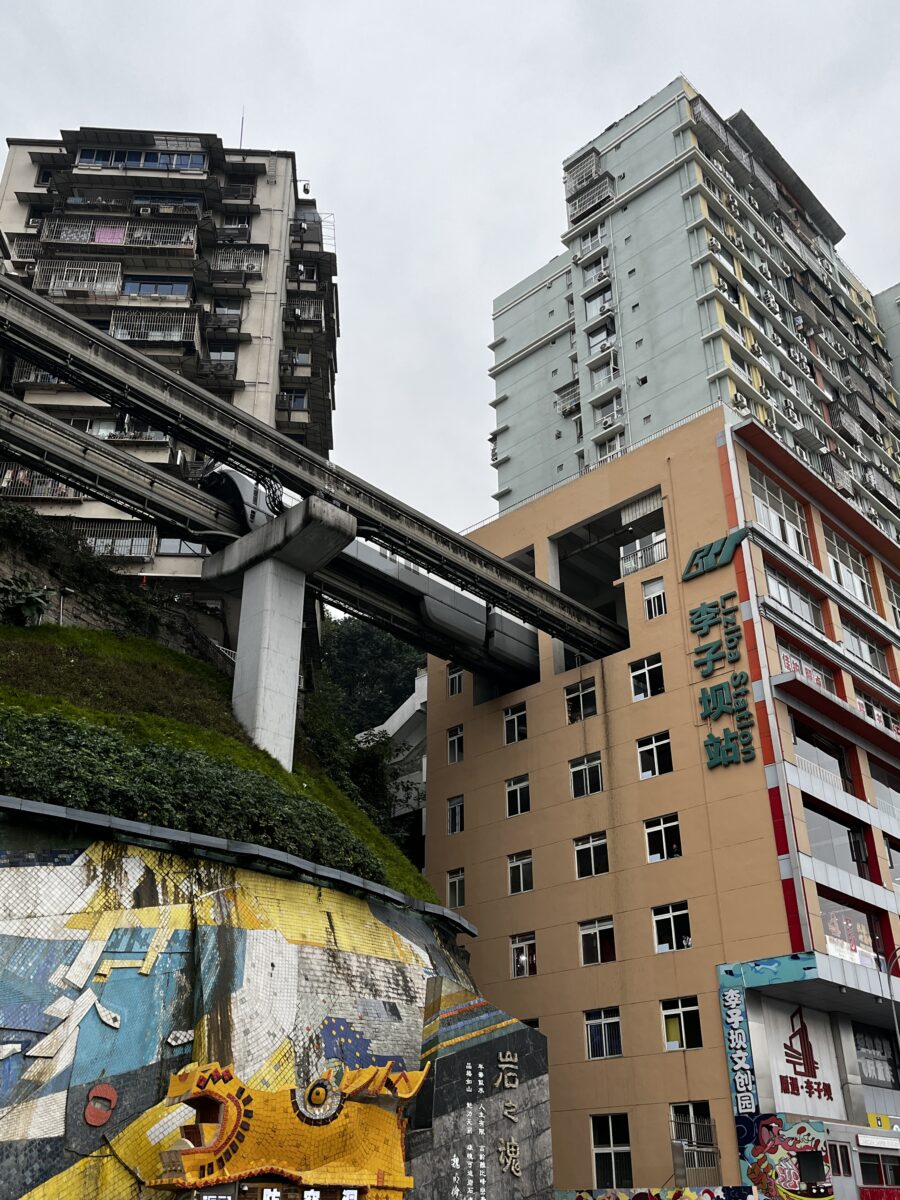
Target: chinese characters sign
{"points": [[744, 1098], [804, 1065], [728, 697], [508, 1077]]}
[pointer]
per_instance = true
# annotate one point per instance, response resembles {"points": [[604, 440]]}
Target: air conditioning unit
{"points": [[765, 270], [32, 222], [722, 285], [741, 245], [252, 266], [786, 379], [729, 177], [770, 425], [604, 345], [145, 210], [605, 308], [756, 348], [795, 354], [741, 403], [778, 339], [765, 390], [608, 422], [792, 415], [715, 245], [801, 452], [879, 439], [576, 258]]}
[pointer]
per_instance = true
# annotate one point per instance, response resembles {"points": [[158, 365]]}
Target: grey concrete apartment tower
{"points": [[215, 261], [698, 269]]}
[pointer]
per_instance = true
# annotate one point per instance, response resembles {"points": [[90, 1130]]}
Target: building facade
{"points": [[215, 261], [682, 857]]}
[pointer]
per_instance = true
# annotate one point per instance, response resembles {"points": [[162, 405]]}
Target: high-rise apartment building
{"points": [[215, 261], [683, 858]]}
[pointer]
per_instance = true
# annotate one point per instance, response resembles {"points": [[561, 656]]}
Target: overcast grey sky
{"points": [[435, 132]]}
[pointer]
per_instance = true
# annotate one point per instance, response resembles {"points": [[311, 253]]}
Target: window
{"points": [[848, 567], [893, 594], [876, 711], [593, 238], [524, 955], [672, 927], [224, 307], [794, 597], [455, 744], [654, 593], [147, 160], [663, 838], [155, 285], [861, 646], [611, 448], [879, 1170], [223, 356], [681, 1023], [598, 336], [456, 888], [839, 1157], [521, 872], [581, 700], [518, 796], [654, 755], [780, 513], [604, 1033], [692, 1123], [454, 681], [456, 814], [515, 724], [585, 775], [294, 399], [851, 933], [612, 1151], [793, 659], [647, 677], [591, 855], [598, 941], [605, 373]]}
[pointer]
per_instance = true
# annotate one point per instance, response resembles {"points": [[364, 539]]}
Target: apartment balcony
{"points": [[878, 481], [568, 399], [304, 312], [764, 187], [213, 374], [230, 235], [166, 208], [860, 405], [845, 423], [224, 327], [240, 262], [312, 232], [177, 238], [26, 374], [582, 173], [25, 248], [646, 556], [241, 196], [155, 328], [710, 130], [24, 483], [601, 192], [299, 281], [138, 436], [92, 281], [294, 365]]}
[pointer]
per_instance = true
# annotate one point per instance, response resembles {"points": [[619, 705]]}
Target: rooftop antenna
{"points": [[241, 142]]}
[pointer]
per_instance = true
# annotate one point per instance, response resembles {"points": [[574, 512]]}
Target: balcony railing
{"points": [[79, 278], [178, 236], [305, 310], [580, 174], [26, 249], [831, 778], [709, 123], [137, 435], [596, 195], [568, 399], [646, 556], [222, 324], [27, 373], [22, 483], [239, 191], [694, 1131], [142, 325], [248, 261]]}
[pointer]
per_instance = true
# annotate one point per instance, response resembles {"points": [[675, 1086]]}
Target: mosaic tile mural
{"points": [[163, 1016]]}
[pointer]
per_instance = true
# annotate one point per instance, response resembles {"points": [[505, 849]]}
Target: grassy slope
{"points": [[153, 694]]}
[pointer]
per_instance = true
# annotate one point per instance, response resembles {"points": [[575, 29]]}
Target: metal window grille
{"points": [[646, 556], [116, 539], [305, 308], [26, 372], [26, 249], [79, 277], [140, 325], [105, 231], [228, 259], [18, 482]]}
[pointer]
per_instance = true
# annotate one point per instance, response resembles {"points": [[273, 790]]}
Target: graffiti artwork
{"points": [[770, 1160], [324, 1020], [686, 1193]]}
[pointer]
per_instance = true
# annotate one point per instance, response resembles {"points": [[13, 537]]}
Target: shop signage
{"points": [[744, 1099], [805, 1075], [732, 743], [877, 1143]]}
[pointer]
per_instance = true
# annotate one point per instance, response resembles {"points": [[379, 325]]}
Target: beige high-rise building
{"points": [[215, 261], [683, 858]]}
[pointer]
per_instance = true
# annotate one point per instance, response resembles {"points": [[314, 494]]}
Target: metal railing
{"points": [[28, 373], [103, 231], [25, 248], [137, 435], [222, 323], [305, 309], [704, 116], [599, 193], [227, 259], [116, 539], [645, 556], [821, 773], [22, 483], [581, 173], [694, 1131], [143, 325], [79, 277], [238, 191]]}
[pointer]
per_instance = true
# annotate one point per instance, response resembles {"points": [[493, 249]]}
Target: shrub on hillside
{"points": [[61, 761]]}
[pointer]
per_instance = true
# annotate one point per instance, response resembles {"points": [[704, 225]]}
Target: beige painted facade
{"points": [[746, 868]]}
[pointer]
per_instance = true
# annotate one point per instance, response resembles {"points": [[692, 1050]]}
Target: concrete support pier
{"points": [[270, 567]]}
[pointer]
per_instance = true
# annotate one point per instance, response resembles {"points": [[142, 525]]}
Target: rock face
{"points": [[123, 962]]}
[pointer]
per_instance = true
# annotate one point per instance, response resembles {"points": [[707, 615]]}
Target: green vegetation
{"points": [[124, 726], [372, 671]]}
